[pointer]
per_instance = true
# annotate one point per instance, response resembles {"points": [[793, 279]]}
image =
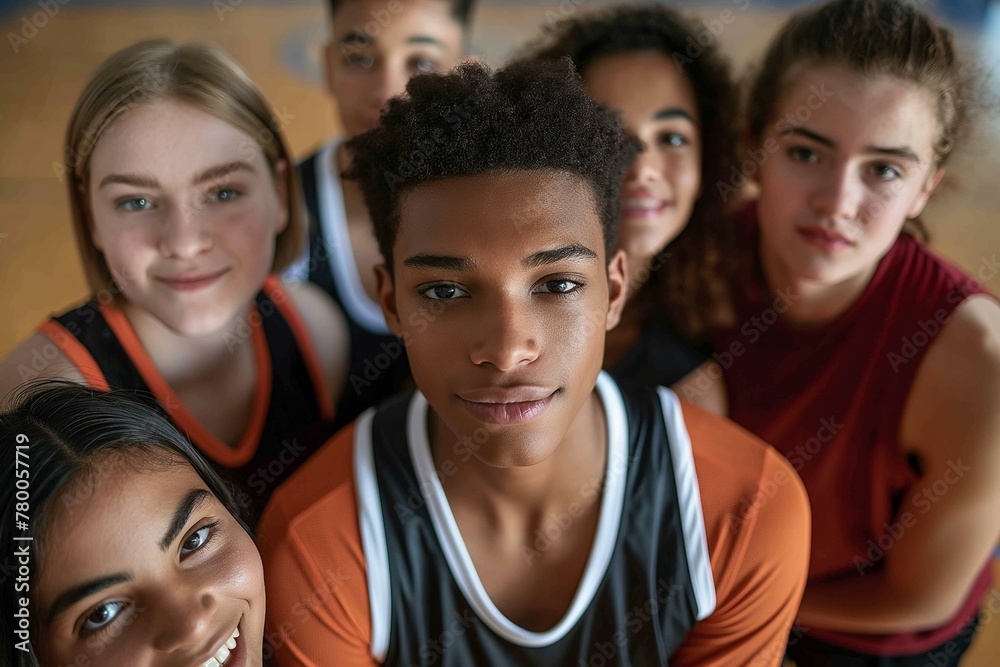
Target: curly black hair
{"points": [[689, 283], [528, 116], [461, 10]]}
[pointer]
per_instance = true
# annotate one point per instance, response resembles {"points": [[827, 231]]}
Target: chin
{"points": [[516, 452], [205, 324]]}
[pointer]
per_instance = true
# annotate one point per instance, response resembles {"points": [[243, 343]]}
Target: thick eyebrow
{"points": [[213, 173], [143, 181], [809, 134], [360, 39], [674, 112], [191, 501], [902, 152], [74, 595], [425, 39], [573, 251], [138, 180], [424, 261]]}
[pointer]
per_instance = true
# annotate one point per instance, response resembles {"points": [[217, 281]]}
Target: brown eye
{"points": [[102, 615], [198, 539]]}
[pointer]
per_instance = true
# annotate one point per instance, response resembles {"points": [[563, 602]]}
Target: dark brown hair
{"points": [[682, 281], [872, 38]]}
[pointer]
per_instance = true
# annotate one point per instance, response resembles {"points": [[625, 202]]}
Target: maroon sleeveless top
{"points": [[831, 399]]}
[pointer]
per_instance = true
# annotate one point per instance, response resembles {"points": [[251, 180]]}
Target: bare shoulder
{"points": [[327, 327], [36, 358], [967, 349], [958, 383]]}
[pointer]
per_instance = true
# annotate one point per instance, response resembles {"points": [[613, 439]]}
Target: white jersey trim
{"points": [[689, 504], [373, 540], [333, 223], [457, 555]]}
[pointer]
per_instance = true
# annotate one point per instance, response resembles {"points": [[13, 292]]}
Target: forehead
{"points": [[857, 110], [111, 520], [510, 214], [170, 138], [396, 22], [640, 83]]}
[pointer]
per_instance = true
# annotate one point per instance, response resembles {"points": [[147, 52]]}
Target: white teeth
{"points": [[642, 203], [222, 655]]}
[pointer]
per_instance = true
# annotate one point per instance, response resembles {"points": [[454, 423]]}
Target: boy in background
{"points": [[374, 49]]}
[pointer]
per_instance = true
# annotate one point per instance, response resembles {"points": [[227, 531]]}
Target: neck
{"points": [[574, 473], [178, 357], [810, 303]]}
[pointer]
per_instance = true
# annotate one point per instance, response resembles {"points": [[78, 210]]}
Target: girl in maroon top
{"points": [[869, 362]]}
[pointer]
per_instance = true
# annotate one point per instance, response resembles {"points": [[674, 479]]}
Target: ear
{"points": [[281, 184], [925, 193], [387, 299], [617, 288], [330, 56]]}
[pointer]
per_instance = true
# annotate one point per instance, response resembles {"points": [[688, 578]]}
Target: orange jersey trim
{"points": [[77, 353], [276, 292], [205, 440]]}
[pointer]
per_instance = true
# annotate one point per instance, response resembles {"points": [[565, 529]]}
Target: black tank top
{"points": [[294, 421]]}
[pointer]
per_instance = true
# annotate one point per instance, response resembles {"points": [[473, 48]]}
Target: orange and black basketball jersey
{"points": [[689, 563], [290, 417], [646, 583]]}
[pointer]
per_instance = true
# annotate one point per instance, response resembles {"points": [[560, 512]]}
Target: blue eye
{"points": [[885, 172], [673, 139], [443, 293], [225, 194], [101, 616], [424, 66], [135, 204], [198, 539], [562, 286]]}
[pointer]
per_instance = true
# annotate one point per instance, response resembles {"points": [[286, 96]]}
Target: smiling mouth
{"points": [[643, 207], [191, 283], [225, 651], [514, 412]]}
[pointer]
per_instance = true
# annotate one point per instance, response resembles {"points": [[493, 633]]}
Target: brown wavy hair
{"points": [[687, 277]]}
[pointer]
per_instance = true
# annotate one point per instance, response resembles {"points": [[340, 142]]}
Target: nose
{"points": [[505, 337], [838, 195], [646, 168], [183, 619], [185, 233], [390, 81]]}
